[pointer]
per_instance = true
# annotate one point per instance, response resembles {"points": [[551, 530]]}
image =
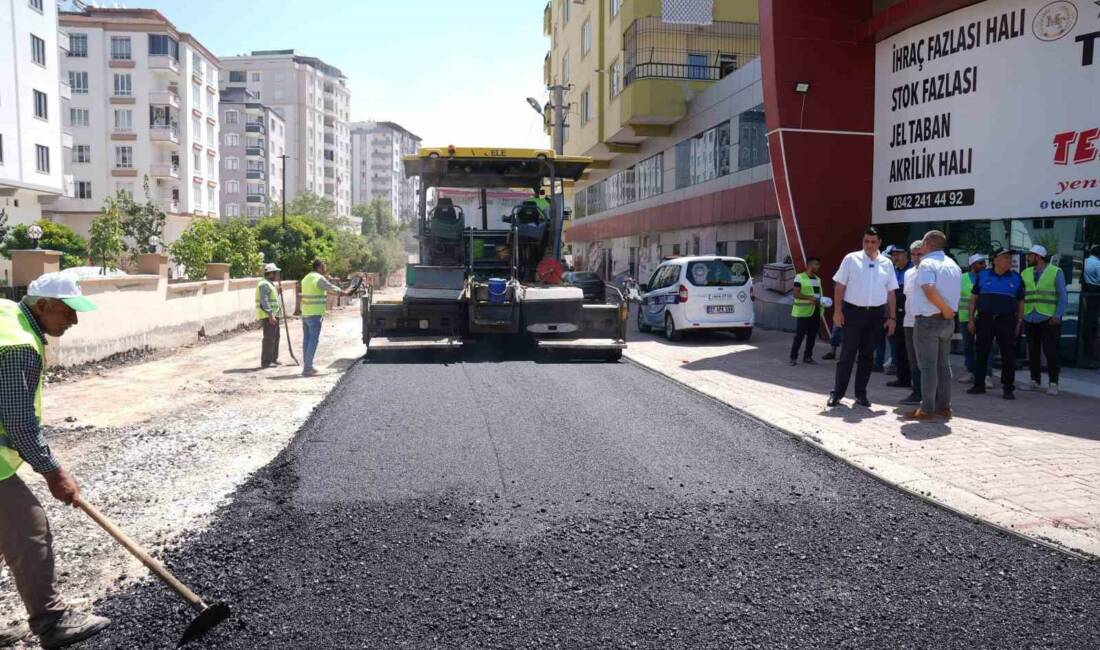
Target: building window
{"points": [[565, 67], [196, 129], [237, 76], [209, 104], [697, 66], [196, 96], [83, 189], [124, 157], [38, 50], [231, 117], [196, 63], [41, 105], [565, 11], [78, 45], [211, 201], [616, 78], [124, 85], [727, 65], [36, 5], [704, 157], [232, 210], [232, 187], [196, 162], [78, 82], [196, 191], [42, 158], [232, 163], [78, 117], [164, 45], [586, 106], [256, 77], [124, 120], [82, 153], [615, 6], [586, 37], [752, 139], [1, 148], [125, 188], [120, 48], [232, 139]]}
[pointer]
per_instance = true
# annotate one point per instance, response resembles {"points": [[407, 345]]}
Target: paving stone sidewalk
{"points": [[1032, 465]]}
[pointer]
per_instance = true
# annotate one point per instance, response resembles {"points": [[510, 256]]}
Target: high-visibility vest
{"points": [[273, 302], [804, 304], [964, 298], [16, 329], [1041, 296], [314, 297]]}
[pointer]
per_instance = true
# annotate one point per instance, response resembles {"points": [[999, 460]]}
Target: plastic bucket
{"points": [[497, 288]]}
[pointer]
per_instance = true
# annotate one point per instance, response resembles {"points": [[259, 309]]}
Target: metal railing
{"points": [[656, 49]]}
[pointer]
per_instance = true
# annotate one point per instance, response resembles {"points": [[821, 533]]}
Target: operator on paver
{"points": [[268, 310], [26, 543], [315, 290]]}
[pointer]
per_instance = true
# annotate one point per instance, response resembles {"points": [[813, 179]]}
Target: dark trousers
{"points": [[26, 546], [805, 328], [1043, 337], [862, 334], [269, 352], [1002, 329], [901, 356], [911, 358]]}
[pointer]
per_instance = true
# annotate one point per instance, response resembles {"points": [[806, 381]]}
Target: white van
{"points": [[698, 293]]}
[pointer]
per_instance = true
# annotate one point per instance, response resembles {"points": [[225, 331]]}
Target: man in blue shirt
{"points": [[1044, 324], [997, 305], [1090, 301]]}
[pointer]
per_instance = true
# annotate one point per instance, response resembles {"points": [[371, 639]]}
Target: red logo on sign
{"points": [[1082, 144]]}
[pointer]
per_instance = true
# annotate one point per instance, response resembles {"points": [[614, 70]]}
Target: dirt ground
{"points": [[158, 445]]}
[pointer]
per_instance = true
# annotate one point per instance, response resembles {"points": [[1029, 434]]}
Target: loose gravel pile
{"points": [[798, 551]]}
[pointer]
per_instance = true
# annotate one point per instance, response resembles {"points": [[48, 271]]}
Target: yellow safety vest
{"points": [[314, 297], [964, 298], [274, 303], [16, 329], [1041, 296], [804, 304]]}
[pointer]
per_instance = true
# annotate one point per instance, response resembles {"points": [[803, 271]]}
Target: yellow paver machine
{"points": [[494, 276]]}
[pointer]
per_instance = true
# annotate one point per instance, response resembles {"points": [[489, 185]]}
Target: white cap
{"points": [[1039, 250], [975, 258], [271, 268], [64, 287]]}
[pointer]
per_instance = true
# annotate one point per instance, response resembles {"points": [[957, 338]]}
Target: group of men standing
{"points": [[924, 287]]}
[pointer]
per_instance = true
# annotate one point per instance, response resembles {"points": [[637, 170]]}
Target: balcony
{"points": [[254, 151], [255, 175], [164, 133], [164, 98], [547, 77], [547, 20], [164, 64], [66, 137], [66, 91], [255, 127], [256, 198], [168, 205], [165, 170]]}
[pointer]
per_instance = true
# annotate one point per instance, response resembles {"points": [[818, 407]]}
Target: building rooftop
{"points": [[109, 18], [311, 61], [371, 125]]}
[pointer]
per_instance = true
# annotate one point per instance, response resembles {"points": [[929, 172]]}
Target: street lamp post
{"points": [[35, 233], [154, 242], [558, 104]]}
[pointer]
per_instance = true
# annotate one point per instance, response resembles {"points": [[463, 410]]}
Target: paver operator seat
{"points": [[447, 224]]}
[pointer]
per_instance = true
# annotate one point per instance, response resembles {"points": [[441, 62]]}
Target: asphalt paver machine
{"points": [[503, 282]]}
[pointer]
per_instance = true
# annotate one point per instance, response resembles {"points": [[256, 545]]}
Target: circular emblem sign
{"points": [[1055, 20]]}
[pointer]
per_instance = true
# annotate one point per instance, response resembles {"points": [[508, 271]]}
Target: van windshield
{"points": [[718, 273]]}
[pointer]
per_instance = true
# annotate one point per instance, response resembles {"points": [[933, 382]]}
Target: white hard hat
{"points": [[64, 287], [1039, 250], [975, 258], [271, 268], [827, 302]]}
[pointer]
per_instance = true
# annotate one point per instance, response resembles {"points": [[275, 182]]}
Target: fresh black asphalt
{"points": [[506, 503]]}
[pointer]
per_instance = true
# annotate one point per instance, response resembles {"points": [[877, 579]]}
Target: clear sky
{"points": [[451, 71]]}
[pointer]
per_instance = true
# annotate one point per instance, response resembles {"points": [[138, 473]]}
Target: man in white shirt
{"points": [[934, 306], [864, 305], [909, 320]]}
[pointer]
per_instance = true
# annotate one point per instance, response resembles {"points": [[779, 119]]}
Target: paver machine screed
{"points": [[482, 275]]}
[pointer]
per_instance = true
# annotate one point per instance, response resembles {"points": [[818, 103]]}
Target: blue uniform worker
{"points": [[997, 305]]}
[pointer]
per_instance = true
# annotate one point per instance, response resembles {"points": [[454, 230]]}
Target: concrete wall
{"points": [[145, 311]]}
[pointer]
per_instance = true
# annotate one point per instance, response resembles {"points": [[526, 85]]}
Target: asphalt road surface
{"points": [[501, 502]]}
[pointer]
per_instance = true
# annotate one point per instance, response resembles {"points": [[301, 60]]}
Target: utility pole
{"points": [[284, 157], [559, 107]]}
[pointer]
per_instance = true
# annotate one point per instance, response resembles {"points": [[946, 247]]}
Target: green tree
{"points": [[350, 253], [318, 208], [55, 237], [4, 227], [237, 246], [140, 221], [107, 242], [388, 255], [368, 222], [195, 247], [295, 247]]}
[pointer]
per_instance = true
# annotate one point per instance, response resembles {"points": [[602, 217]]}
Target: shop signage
{"points": [[990, 112]]}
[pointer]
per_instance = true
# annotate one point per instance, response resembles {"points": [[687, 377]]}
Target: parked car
{"points": [[590, 284], [698, 293]]}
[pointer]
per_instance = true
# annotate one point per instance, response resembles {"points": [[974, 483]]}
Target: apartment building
{"points": [[144, 106], [376, 168], [32, 142], [313, 98], [252, 149], [667, 98]]}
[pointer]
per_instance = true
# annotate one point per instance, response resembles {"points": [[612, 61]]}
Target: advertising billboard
{"points": [[990, 112]]}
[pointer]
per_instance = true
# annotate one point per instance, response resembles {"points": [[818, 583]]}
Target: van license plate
{"points": [[720, 309]]}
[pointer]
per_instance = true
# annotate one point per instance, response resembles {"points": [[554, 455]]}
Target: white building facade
{"points": [[32, 144], [376, 168], [144, 106], [314, 99]]}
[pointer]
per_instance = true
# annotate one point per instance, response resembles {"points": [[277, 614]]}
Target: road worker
{"points": [[315, 290]]}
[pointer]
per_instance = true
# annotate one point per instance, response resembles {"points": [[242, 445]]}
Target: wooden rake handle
{"points": [[138, 552]]}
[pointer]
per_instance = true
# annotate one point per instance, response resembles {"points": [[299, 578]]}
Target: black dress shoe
{"points": [[1009, 394], [829, 356], [793, 362], [863, 401], [833, 400], [976, 390], [809, 361], [897, 383]]}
